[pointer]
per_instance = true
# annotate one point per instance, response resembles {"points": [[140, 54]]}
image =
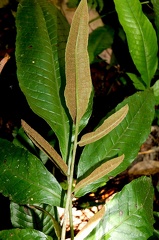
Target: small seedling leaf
{"points": [[78, 80], [108, 125]]}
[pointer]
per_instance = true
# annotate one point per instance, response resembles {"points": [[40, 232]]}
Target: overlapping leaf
{"points": [[78, 80], [125, 139], [38, 64], [24, 234], [141, 37], [97, 177], [108, 125], [129, 215], [26, 217], [25, 179]]}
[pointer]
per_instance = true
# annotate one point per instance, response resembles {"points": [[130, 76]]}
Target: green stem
{"points": [[68, 207]]}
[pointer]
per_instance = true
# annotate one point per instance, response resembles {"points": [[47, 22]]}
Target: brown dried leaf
{"points": [[41, 143], [100, 172], [108, 125], [91, 224], [4, 61], [78, 79]]}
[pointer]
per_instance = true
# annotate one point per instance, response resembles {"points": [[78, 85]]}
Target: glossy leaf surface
{"points": [[129, 215], [38, 70], [125, 139], [24, 179], [140, 36], [25, 234]]}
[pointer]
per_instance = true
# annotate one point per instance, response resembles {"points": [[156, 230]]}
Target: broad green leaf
{"points": [[129, 215], [24, 179], [141, 37], [78, 80], [155, 88], [125, 139], [46, 147], [38, 69], [108, 125], [97, 177], [137, 81], [26, 217], [25, 234], [99, 40], [156, 10]]}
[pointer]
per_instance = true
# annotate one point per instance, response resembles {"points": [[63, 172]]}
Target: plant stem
{"points": [[68, 207]]}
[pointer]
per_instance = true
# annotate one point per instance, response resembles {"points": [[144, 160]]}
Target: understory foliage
{"points": [[53, 69]]}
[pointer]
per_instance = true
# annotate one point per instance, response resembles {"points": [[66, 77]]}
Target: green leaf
{"points": [[78, 79], [25, 234], [96, 178], [107, 126], [155, 88], [141, 37], [125, 139], [129, 215], [38, 67], [156, 10], [24, 179], [137, 81], [26, 217], [99, 40]]}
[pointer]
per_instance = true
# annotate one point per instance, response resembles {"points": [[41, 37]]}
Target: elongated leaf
{"points": [[24, 234], [141, 37], [156, 10], [25, 179], [107, 126], [125, 139], [38, 66], [78, 80], [26, 217], [46, 147], [137, 81], [155, 88], [94, 180], [129, 215]]}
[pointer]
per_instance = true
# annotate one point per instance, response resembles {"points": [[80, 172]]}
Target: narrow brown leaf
{"points": [[78, 79], [4, 61], [91, 224], [41, 143], [108, 125], [100, 172]]}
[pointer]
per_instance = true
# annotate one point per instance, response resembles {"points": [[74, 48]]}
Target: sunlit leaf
{"points": [[78, 80], [108, 125]]}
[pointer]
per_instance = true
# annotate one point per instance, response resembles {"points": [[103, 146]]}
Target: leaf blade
{"points": [[94, 180], [140, 35], [108, 125], [38, 66], [25, 179], [78, 81], [129, 215]]}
